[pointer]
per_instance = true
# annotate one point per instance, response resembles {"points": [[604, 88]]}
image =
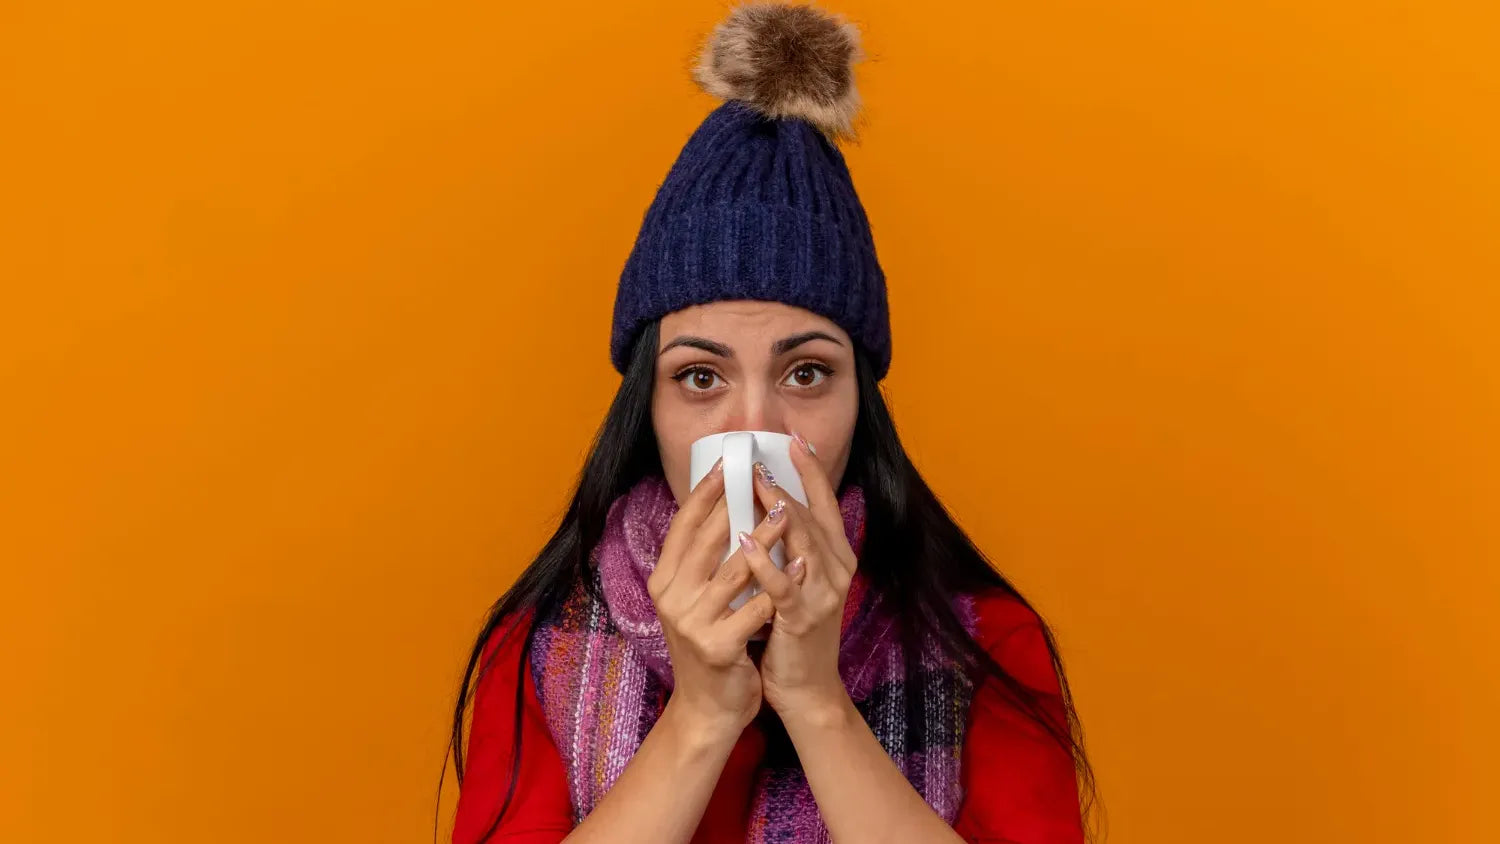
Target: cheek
{"points": [[831, 432], [832, 438], [676, 427]]}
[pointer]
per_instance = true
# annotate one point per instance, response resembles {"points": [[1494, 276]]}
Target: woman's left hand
{"points": [[800, 669]]}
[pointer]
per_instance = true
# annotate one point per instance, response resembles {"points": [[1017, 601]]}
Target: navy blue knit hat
{"points": [[760, 204]]}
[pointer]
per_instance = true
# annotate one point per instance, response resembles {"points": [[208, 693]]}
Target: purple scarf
{"points": [[603, 676]]}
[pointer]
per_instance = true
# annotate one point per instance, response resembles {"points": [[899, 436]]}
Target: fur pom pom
{"points": [[785, 61]]}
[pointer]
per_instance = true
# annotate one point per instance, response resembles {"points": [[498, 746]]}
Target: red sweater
{"points": [[1019, 785]]}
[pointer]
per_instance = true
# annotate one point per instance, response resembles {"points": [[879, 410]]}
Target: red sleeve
{"points": [[540, 811], [1019, 784]]}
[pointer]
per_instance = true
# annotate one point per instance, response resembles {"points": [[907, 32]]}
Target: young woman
{"points": [[889, 684]]}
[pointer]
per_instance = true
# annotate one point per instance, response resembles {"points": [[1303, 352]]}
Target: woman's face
{"points": [[752, 366]]}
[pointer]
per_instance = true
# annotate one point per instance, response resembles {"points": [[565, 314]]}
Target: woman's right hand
{"points": [[717, 690], [661, 794]]}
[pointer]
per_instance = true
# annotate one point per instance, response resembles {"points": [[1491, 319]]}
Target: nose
{"points": [[755, 409]]}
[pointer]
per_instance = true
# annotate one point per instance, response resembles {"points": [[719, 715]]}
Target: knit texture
{"points": [[756, 208], [603, 676]]}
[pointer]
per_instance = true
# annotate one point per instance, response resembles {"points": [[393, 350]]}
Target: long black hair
{"points": [[914, 555]]}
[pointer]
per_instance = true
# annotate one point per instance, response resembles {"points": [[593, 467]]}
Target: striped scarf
{"points": [[603, 676]]}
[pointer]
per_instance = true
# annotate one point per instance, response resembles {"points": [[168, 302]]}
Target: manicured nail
{"points": [[765, 474], [775, 512], [796, 568], [806, 446], [747, 541], [719, 466]]}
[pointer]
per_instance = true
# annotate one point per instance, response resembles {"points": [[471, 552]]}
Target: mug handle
{"points": [[739, 487]]}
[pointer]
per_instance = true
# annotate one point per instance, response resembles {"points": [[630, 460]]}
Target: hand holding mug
{"points": [[717, 690], [800, 670]]}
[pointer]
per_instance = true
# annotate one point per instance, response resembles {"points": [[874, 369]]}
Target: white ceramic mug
{"points": [[741, 450]]}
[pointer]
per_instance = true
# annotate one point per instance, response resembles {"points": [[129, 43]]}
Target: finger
{"points": [[734, 573], [790, 619], [690, 565], [713, 602], [802, 532], [809, 536], [777, 583], [697, 506], [749, 619], [706, 548], [822, 499], [797, 571], [774, 525]]}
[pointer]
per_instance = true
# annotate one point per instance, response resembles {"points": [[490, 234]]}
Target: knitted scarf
{"points": [[603, 676]]}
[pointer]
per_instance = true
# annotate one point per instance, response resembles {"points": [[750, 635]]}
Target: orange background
{"points": [[304, 337]]}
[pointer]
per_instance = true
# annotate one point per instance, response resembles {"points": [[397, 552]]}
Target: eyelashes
{"points": [[695, 373], [820, 371], [802, 375]]}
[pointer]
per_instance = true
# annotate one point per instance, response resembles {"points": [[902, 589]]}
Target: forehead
{"points": [[746, 323]]}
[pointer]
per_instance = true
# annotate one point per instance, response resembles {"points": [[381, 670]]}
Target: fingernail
{"points": [[747, 541], [719, 466], [765, 474], [806, 446], [795, 568], [776, 511]]}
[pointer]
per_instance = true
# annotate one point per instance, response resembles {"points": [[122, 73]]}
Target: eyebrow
{"points": [[705, 344], [780, 347]]}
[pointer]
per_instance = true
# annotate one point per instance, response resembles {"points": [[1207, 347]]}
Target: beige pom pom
{"points": [[785, 61]]}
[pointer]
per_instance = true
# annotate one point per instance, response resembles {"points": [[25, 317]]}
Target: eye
{"points": [[807, 375], [698, 379]]}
